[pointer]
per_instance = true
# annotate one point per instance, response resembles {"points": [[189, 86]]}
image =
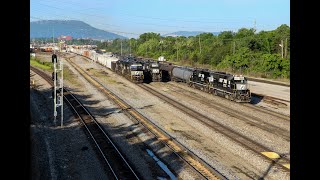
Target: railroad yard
{"points": [[156, 130]]}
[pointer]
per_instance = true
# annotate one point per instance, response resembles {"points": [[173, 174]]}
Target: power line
{"points": [[114, 31], [122, 32], [218, 20], [148, 24], [164, 19]]}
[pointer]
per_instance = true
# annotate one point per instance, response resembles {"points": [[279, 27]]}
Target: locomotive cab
{"points": [[240, 83], [136, 70], [155, 71], [241, 87], [155, 67], [136, 67]]}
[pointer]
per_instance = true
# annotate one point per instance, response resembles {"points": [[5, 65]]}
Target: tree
{"points": [[256, 52]]}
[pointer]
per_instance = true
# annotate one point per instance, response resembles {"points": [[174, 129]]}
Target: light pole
{"points": [[281, 45], [130, 47], [199, 43], [121, 47], [161, 46]]}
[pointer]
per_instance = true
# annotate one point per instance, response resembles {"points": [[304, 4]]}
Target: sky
{"points": [[131, 18]]}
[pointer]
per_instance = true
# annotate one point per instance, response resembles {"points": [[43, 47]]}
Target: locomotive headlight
{"points": [[155, 70]]}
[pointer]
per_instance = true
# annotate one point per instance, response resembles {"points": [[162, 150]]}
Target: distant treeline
{"points": [[69, 42], [247, 52]]}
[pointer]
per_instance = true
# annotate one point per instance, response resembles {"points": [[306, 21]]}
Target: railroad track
{"points": [[282, 162], [275, 114], [251, 106], [268, 82], [247, 118], [202, 168], [118, 165]]}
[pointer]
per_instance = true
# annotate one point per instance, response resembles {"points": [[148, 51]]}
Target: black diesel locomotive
{"points": [[152, 70], [129, 68], [230, 86]]}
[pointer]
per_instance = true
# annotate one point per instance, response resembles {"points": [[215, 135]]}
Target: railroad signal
{"points": [[53, 76], [54, 58], [58, 85]]}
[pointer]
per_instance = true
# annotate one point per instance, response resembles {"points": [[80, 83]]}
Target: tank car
{"points": [[182, 74]]}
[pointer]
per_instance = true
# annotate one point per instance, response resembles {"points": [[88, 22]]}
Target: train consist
{"points": [[135, 69], [230, 86]]}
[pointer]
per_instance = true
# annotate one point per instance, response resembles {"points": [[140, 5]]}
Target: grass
{"points": [[101, 74], [48, 66], [43, 66], [69, 76]]}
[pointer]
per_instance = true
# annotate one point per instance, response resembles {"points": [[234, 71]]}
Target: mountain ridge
{"points": [[74, 28]]}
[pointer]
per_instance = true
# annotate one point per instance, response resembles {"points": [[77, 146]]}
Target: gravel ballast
{"points": [[57, 152], [228, 157]]}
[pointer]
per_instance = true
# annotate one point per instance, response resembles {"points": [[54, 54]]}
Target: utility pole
{"points": [[234, 47], [161, 46], [130, 47], [199, 43], [286, 48], [54, 51], [177, 48], [52, 35], [121, 47], [281, 45], [177, 51]]}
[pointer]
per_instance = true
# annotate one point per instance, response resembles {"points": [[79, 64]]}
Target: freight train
{"points": [[229, 86], [125, 66], [121, 65]]}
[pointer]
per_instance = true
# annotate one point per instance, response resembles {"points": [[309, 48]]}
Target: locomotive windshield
{"points": [[136, 67], [240, 80], [154, 65]]}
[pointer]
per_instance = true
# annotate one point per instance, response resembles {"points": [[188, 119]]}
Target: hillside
{"points": [[76, 29]]}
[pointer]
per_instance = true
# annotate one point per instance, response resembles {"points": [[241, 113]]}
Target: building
{"points": [[65, 38]]}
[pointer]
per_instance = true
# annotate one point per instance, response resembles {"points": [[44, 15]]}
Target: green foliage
{"points": [[241, 59], [277, 66], [244, 51], [42, 65]]}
